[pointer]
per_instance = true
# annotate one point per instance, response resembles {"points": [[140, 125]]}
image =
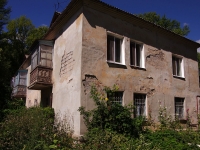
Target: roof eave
{"points": [[75, 5]]}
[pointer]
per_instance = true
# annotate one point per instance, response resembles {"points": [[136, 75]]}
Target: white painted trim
{"points": [[181, 61], [122, 48]]}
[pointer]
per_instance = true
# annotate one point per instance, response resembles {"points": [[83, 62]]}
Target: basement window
{"points": [[139, 105], [116, 97], [177, 66], [115, 53], [136, 55], [179, 107]]}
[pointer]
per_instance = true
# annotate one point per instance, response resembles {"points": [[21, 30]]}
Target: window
{"points": [[179, 107], [114, 49], [46, 56], [42, 57], [116, 97], [136, 55], [140, 105], [177, 66], [20, 78]]}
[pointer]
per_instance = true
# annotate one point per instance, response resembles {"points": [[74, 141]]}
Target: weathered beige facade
{"points": [[80, 56]]}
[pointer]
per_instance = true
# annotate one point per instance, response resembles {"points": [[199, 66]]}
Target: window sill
{"points": [[179, 77], [116, 64], [137, 67], [113, 62]]}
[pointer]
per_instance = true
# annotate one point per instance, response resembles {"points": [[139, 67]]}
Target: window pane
{"points": [[46, 48], [132, 53], [179, 109], [178, 66], [34, 59], [110, 48], [43, 62], [49, 56], [174, 65], [48, 63], [115, 97], [117, 50], [139, 103], [43, 54], [138, 47]]}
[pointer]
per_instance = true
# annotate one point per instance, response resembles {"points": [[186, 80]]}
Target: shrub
{"points": [[108, 115], [31, 128]]}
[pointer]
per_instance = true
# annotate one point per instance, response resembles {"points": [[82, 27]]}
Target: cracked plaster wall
{"points": [[156, 80], [67, 71], [33, 97]]}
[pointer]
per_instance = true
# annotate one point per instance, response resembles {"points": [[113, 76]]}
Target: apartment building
{"points": [[90, 42]]}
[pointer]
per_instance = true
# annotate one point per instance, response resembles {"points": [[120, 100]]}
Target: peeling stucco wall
{"points": [[67, 70], [156, 80], [33, 97]]}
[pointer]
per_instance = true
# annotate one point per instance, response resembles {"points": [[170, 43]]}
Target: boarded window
{"points": [[139, 105]]}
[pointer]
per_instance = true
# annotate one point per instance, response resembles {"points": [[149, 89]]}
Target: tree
{"points": [[172, 25], [18, 31], [4, 14], [15, 43], [4, 62], [36, 33]]}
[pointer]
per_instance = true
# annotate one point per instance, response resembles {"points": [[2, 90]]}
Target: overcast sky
{"points": [[185, 11]]}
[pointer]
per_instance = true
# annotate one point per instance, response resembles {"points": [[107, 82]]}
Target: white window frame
{"points": [[183, 107], [122, 48], [180, 72], [145, 105], [142, 60]]}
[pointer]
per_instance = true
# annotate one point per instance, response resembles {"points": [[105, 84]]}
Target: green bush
{"points": [[31, 128], [108, 115], [169, 139]]}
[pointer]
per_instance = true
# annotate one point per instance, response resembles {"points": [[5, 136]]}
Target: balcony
{"points": [[18, 84], [41, 65], [19, 91], [40, 78]]}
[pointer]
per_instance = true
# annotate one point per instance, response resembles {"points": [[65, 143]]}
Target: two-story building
{"points": [[91, 41]]}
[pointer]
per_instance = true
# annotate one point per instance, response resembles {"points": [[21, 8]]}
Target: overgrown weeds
{"points": [[110, 126], [31, 128]]}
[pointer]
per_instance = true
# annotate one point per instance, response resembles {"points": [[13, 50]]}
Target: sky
{"points": [[184, 11]]}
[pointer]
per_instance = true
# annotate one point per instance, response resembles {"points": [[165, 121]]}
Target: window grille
{"points": [[139, 103], [179, 107], [116, 97]]}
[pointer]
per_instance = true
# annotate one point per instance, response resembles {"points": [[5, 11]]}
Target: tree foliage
{"points": [[163, 21], [14, 44], [4, 13], [36, 33]]}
